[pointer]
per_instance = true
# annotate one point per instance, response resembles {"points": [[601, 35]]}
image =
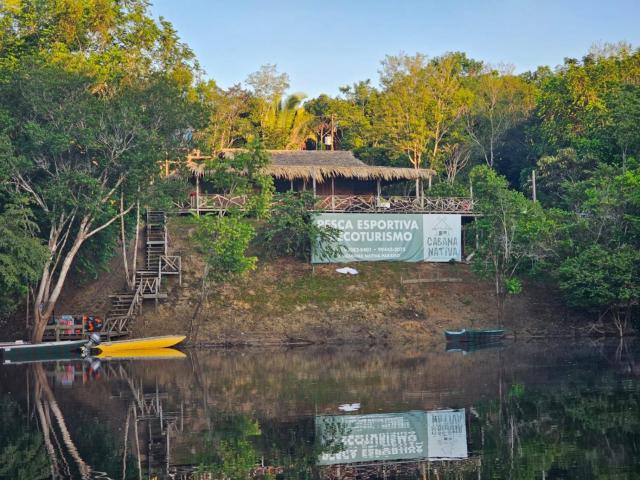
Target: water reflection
{"points": [[522, 411]]}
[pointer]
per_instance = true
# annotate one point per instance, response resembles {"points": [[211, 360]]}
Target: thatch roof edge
{"points": [[295, 172]]}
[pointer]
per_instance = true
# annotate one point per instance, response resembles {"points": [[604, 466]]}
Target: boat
{"points": [[144, 354], [109, 348], [481, 335], [20, 352]]}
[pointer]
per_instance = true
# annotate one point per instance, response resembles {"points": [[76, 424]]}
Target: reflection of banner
{"points": [[365, 438], [398, 237], [392, 436], [447, 434]]}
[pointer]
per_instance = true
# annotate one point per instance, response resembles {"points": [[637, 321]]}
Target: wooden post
{"points": [[533, 184], [333, 195], [314, 182], [197, 195], [27, 309], [333, 138], [422, 194]]}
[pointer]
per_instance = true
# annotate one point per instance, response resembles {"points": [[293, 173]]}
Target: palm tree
{"points": [[285, 124]]}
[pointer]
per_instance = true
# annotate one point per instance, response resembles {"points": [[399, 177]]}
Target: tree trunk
{"points": [[131, 280], [123, 239], [45, 301]]}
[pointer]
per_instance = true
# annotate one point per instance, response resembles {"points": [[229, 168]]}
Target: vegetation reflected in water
{"points": [[532, 411]]}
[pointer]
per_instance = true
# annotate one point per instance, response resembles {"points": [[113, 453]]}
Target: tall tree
{"points": [[501, 100], [75, 153], [421, 103], [515, 235]]}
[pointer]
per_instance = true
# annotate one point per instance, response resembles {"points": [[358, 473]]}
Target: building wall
{"points": [[342, 186]]}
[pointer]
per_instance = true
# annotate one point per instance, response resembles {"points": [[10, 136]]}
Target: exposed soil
{"points": [[289, 301]]}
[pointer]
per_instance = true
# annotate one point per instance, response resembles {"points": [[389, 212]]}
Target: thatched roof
{"points": [[324, 165]]}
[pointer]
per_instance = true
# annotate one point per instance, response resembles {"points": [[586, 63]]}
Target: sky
{"points": [[323, 45]]}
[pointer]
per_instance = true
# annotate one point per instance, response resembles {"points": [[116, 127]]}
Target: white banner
{"points": [[442, 238]]}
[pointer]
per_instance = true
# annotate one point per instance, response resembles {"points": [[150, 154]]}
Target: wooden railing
{"points": [[116, 326], [348, 203], [170, 265]]}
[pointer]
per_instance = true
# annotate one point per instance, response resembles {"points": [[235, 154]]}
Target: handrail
{"points": [[346, 203]]}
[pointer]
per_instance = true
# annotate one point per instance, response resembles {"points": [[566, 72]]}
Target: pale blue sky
{"points": [[325, 44]]}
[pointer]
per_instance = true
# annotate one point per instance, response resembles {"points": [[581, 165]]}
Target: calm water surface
{"points": [[523, 411]]}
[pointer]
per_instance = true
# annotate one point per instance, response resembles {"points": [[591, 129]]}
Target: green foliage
{"points": [[600, 265], [600, 278], [114, 42], [446, 189], [223, 241], [513, 286], [22, 255], [515, 234], [91, 94], [166, 193], [229, 448], [243, 174], [291, 230]]}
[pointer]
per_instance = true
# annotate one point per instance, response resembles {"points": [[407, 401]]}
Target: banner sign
{"points": [[409, 435], [370, 237]]}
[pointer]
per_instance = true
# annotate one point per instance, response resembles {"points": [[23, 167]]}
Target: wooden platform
{"points": [[204, 203]]}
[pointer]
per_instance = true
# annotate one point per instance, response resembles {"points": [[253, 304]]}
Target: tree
{"points": [[242, 173], [558, 174], [75, 153], [600, 262], [223, 242], [22, 255], [228, 114], [267, 83], [292, 231], [515, 235], [285, 124], [114, 42], [500, 101], [603, 279], [422, 102]]}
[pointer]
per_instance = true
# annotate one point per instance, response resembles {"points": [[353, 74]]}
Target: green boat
{"points": [[40, 352], [483, 335]]}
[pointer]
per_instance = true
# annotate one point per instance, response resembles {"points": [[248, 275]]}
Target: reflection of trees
{"points": [[21, 454], [228, 449], [588, 429], [80, 445], [47, 407]]}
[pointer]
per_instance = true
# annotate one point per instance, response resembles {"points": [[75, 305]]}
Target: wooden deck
{"points": [[205, 203]]}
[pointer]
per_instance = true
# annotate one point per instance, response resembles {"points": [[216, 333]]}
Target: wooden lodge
{"points": [[338, 180]]}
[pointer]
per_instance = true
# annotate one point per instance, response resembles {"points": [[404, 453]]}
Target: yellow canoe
{"points": [[140, 343], [146, 354]]}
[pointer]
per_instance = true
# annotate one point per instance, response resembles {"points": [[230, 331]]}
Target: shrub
{"points": [[291, 230]]}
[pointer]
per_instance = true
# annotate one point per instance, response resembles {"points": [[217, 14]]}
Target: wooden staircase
{"points": [[127, 305]]}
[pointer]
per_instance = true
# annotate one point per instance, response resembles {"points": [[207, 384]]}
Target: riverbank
{"points": [[287, 301]]}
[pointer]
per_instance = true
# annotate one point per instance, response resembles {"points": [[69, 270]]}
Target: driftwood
{"points": [[410, 281]]}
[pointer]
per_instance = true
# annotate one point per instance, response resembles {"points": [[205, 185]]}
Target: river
{"points": [[521, 410]]}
